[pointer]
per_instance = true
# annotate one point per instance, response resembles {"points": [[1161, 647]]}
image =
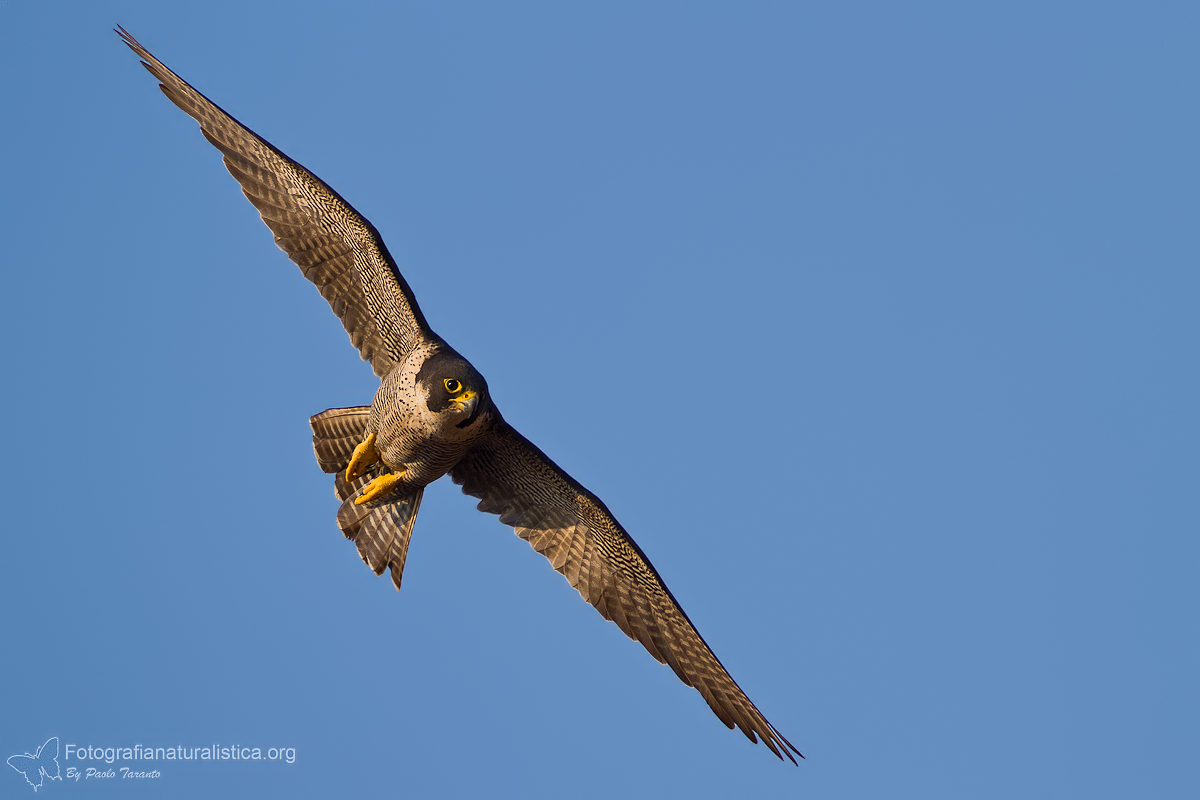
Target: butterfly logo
{"points": [[43, 764]]}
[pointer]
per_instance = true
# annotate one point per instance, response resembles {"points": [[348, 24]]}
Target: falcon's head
{"points": [[452, 387]]}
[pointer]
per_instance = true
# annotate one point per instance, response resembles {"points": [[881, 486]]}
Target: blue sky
{"points": [[874, 324]]}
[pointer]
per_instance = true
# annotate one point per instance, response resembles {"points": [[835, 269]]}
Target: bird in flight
{"points": [[433, 415]]}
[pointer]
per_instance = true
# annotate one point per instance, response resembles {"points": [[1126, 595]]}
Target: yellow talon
{"points": [[364, 456], [378, 487]]}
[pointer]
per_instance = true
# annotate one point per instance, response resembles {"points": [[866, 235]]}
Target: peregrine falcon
{"points": [[433, 415]]}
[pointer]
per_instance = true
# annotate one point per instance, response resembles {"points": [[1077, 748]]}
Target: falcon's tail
{"points": [[380, 529], [336, 433]]}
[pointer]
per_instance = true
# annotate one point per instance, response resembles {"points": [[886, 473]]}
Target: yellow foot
{"points": [[378, 487], [364, 456]]}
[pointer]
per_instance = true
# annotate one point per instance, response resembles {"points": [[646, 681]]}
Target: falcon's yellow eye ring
{"points": [[452, 386]]}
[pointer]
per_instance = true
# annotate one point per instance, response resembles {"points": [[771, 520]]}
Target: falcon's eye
{"points": [[452, 386]]}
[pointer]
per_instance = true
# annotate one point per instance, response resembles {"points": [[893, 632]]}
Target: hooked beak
{"points": [[468, 401]]}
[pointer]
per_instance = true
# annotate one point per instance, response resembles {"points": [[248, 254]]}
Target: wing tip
{"points": [[132, 43], [787, 747]]}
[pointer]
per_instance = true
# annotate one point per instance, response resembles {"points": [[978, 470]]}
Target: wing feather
{"points": [[335, 247], [571, 527]]}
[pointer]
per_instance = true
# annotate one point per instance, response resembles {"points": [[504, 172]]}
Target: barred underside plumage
{"points": [[574, 530], [335, 247]]}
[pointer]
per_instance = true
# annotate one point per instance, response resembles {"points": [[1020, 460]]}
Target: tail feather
{"points": [[380, 529], [336, 433]]}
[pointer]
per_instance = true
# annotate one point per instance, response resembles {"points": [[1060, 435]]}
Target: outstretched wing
{"points": [[335, 247], [571, 527]]}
